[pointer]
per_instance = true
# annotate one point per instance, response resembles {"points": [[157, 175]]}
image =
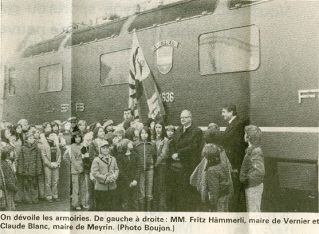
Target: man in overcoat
{"points": [[185, 150], [235, 146]]}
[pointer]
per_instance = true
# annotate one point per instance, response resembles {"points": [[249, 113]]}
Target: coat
{"points": [[101, 170], [146, 153], [162, 150], [76, 159], [253, 170], [30, 161], [129, 168], [188, 145], [46, 155], [234, 143]]}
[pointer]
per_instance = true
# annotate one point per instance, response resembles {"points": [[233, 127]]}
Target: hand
{"points": [[175, 156], [133, 183]]}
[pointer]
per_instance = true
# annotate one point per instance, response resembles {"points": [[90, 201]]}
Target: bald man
{"points": [[185, 150]]}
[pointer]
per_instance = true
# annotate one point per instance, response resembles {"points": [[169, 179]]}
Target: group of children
{"points": [[121, 168]]}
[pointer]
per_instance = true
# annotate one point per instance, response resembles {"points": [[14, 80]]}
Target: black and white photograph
{"points": [[159, 107]]}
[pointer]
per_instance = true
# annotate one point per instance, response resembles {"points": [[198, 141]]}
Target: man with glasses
{"points": [[185, 150]]}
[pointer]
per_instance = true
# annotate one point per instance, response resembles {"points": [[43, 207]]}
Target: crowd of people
{"points": [[134, 166]]}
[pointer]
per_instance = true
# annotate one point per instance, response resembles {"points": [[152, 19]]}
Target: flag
{"points": [[141, 81]]}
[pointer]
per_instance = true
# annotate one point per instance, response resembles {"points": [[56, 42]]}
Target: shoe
{"points": [[78, 208], [85, 207]]}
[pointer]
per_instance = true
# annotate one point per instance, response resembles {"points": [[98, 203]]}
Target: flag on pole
{"points": [[141, 82]]}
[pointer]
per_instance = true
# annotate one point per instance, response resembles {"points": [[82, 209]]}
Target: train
{"points": [[261, 55]]}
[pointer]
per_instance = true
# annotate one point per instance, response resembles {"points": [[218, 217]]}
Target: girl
{"points": [[170, 130], [105, 171], [60, 140], [82, 127], [146, 153], [218, 179], [161, 143], [129, 172], [77, 173], [7, 156]]}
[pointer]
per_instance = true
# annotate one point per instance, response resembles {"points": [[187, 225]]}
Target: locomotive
{"points": [[262, 55]]}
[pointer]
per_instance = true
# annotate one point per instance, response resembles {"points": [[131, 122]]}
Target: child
{"points": [[7, 156], [82, 127], [98, 137], [105, 171], [170, 130], [77, 173], [51, 157], [87, 140], [218, 179], [161, 143], [146, 153], [129, 172], [252, 171], [30, 167]]}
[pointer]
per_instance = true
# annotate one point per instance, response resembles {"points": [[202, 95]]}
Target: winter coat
{"points": [[46, 154], [188, 145], [129, 168], [218, 182], [162, 151], [101, 169], [253, 169], [76, 159], [30, 161], [146, 153]]}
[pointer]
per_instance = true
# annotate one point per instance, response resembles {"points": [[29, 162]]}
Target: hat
{"points": [[71, 118], [108, 123], [103, 143]]}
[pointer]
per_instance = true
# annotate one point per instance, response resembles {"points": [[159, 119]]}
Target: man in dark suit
{"points": [[235, 146], [185, 150]]}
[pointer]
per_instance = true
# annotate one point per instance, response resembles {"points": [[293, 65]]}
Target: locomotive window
{"points": [[114, 67], [231, 50], [11, 81], [50, 78]]}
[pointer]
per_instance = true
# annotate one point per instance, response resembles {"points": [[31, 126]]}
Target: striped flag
{"points": [[141, 82]]}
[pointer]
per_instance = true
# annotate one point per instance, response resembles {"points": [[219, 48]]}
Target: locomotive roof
{"points": [[160, 15]]}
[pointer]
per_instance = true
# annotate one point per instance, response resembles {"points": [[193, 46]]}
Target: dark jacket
{"points": [[188, 145], [234, 143], [129, 168], [253, 169], [146, 153], [218, 182], [30, 161]]}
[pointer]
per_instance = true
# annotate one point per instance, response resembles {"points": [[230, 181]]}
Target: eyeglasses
{"points": [[184, 117]]}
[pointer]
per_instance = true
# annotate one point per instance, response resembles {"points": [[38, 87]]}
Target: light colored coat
{"points": [[100, 170], [46, 154]]}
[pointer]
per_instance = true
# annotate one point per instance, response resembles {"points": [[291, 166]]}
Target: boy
{"points": [[51, 157], [253, 170], [105, 171]]}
